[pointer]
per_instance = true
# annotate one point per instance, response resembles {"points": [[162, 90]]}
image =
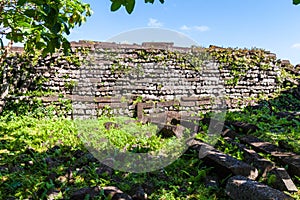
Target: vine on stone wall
{"points": [[240, 61], [23, 75]]}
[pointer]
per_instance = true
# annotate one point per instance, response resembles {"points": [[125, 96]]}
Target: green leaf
{"points": [[21, 2], [66, 47], [162, 1], [296, 2], [1, 44], [56, 28], [149, 1], [40, 45], [30, 13], [115, 6], [130, 6], [67, 30]]}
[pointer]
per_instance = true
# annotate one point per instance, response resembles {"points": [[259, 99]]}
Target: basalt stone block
{"points": [[241, 188], [250, 156], [167, 131], [83, 192], [283, 181], [115, 193], [244, 127], [282, 156], [225, 164]]}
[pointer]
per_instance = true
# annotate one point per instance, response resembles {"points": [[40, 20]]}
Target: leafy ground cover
{"points": [[42, 156]]}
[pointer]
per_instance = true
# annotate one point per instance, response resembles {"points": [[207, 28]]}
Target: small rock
{"points": [[83, 192], [110, 125], [212, 181], [140, 194], [52, 194], [168, 131], [115, 193], [30, 162]]}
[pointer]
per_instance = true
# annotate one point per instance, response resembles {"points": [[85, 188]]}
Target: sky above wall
{"points": [[268, 24]]}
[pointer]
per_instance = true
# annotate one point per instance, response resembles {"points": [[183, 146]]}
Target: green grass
{"points": [[37, 154], [40, 154], [272, 127]]}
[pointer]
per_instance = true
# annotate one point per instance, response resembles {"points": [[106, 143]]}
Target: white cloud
{"points": [[202, 28], [185, 28], [154, 23], [296, 46], [194, 28]]}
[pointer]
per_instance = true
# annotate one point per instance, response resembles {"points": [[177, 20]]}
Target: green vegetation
{"points": [[129, 4], [40, 25], [38, 154], [42, 153], [278, 119], [241, 61]]}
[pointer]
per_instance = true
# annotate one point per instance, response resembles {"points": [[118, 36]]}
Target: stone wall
{"points": [[142, 79]]}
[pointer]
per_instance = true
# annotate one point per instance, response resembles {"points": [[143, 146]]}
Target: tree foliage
{"points": [[296, 2], [40, 24], [128, 4]]}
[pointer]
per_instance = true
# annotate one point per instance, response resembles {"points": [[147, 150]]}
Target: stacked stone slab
{"points": [[156, 72]]}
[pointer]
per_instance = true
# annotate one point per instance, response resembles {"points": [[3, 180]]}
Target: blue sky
{"points": [[271, 25]]}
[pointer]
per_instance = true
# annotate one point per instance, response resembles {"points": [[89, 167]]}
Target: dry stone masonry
{"points": [[135, 80], [146, 80]]}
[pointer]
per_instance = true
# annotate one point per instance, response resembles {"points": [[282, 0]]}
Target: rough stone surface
{"points": [[167, 131], [250, 156], [241, 188], [283, 180], [282, 156], [244, 127], [83, 192], [115, 193], [93, 86], [224, 163]]}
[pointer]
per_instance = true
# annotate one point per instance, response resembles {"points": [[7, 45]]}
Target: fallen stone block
{"points": [[212, 181], [281, 156], [260, 145], [242, 188], [293, 163], [228, 133], [140, 194], [115, 193], [223, 163], [282, 180], [250, 156], [244, 127], [167, 131], [111, 125], [83, 192]]}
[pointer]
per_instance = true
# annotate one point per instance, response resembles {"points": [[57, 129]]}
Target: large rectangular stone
{"points": [[223, 163], [242, 188], [250, 156], [282, 156], [282, 180]]}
